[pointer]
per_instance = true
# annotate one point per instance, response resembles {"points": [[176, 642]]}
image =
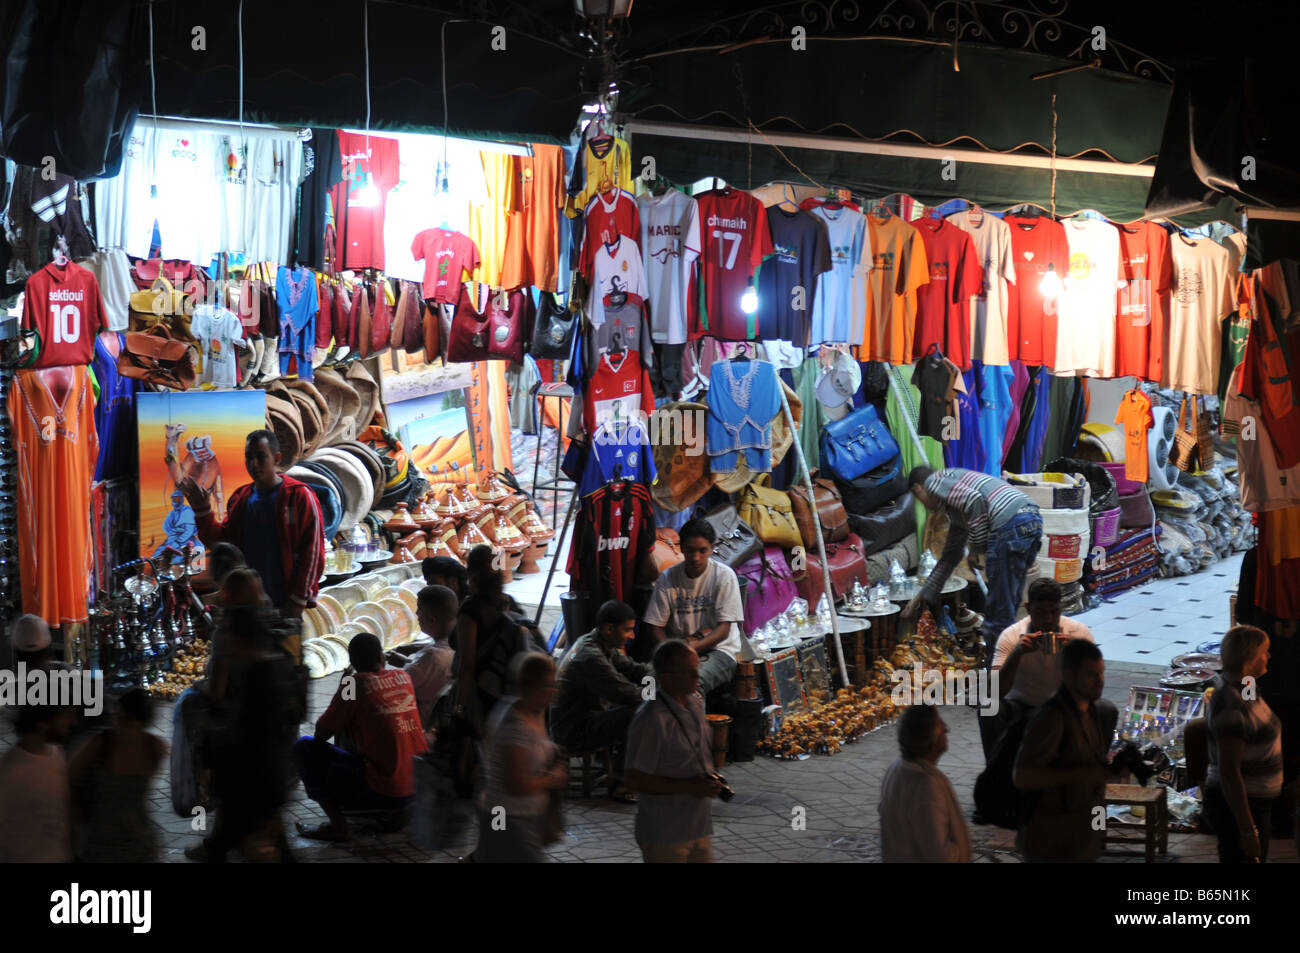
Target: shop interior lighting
{"points": [[749, 300]]}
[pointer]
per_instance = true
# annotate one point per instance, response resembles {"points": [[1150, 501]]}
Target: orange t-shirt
{"points": [[898, 269], [532, 249], [57, 447], [1136, 419]]}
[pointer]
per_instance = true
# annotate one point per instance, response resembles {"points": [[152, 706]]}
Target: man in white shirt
{"points": [[698, 601], [670, 763], [920, 817], [35, 798], [1028, 661], [430, 666]]}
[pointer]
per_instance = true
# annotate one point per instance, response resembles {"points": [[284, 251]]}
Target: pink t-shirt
{"points": [[445, 255]]}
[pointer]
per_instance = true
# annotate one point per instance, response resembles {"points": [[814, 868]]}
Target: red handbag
{"points": [[381, 320], [470, 327], [847, 564], [511, 325]]}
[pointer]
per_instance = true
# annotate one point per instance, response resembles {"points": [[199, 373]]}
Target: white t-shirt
{"points": [[219, 332], [1038, 677], [1204, 294], [684, 606], [840, 305], [619, 265], [430, 669], [34, 807], [112, 269], [988, 316], [670, 244], [506, 729], [1085, 329], [261, 195]]}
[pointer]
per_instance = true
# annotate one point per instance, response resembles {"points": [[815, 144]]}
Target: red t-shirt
{"points": [[383, 723], [445, 255], [605, 221], [1142, 305], [1031, 319], [943, 305], [618, 390], [736, 239], [64, 306], [358, 208]]}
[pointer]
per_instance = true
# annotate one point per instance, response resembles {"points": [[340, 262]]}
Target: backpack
{"points": [[997, 800]]}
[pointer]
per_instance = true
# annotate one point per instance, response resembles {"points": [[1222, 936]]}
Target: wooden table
{"points": [[1155, 828]]}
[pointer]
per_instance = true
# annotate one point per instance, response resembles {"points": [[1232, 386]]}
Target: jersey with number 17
{"points": [[63, 305], [736, 239]]}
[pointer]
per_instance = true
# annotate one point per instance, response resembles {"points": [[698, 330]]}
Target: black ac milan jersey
{"points": [[615, 533]]}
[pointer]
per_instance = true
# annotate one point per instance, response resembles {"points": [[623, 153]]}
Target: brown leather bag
{"points": [[155, 357], [667, 551], [828, 507]]}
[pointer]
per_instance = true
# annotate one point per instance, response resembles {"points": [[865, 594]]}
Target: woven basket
{"points": [[1065, 522], [1051, 491], [1062, 570], [1122, 483], [1105, 528]]}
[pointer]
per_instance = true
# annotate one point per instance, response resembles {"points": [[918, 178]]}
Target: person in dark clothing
{"points": [[1063, 762], [445, 571], [600, 689], [257, 724], [487, 637]]}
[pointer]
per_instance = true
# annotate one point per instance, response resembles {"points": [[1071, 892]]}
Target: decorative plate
{"points": [[403, 621], [373, 584], [1210, 648], [413, 585], [314, 659], [407, 596], [1190, 678], [349, 594], [336, 654], [373, 616], [1198, 660], [332, 608]]}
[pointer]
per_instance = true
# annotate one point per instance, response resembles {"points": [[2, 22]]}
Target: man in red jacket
{"points": [[276, 523]]}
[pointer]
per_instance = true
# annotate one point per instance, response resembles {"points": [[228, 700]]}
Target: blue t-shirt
{"points": [[262, 543], [617, 452]]}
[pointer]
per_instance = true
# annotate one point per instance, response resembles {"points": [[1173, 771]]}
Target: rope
{"points": [[790, 162]]}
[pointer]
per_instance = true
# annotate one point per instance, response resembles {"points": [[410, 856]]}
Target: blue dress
{"points": [[119, 443], [744, 397]]}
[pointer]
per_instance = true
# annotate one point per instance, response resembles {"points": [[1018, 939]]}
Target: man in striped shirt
{"points": [[1002, 529]]}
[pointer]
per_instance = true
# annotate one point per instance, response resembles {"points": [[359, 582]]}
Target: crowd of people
{"points": [[483, 698]]}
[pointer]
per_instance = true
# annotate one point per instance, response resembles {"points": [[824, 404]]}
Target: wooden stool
{"points": [[585, 773], [1155, 824]]}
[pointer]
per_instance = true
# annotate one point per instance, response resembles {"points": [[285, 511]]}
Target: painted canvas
{"points": [[199, 434]]}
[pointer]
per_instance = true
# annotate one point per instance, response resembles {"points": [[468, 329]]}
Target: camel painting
{"points": [[200, 462]]}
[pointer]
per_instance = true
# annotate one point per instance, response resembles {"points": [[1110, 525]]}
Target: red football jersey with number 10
{"points": [[736, 239], [64, 306]]}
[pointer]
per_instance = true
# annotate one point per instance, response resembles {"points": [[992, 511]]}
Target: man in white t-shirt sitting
{"points": [[698, 601], [1029, 670]]}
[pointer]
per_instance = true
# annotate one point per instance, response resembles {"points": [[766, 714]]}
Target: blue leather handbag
{"points": [[857, 444]]}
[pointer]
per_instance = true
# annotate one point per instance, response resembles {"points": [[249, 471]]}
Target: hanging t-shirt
{"points": [[787, 282], [260, 195], [1204, 294], [615, 267], [63, 305], [490, 221], [670, 245], [1135, 417], [898, 269], [218, 331], [736, 240], [839, 305], [615, 533], [938, 381], [1142, 308], [943, 304], [619, 392], [608, 216], [626, 327], [322, 170], [618, 452], [446, 256], [533, 234], [1085, 332], [992, 238], [360, 199], [1036, 245], [605, 163], [112, 270]]}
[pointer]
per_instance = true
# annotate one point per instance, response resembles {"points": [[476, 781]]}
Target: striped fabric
{"points": [[976, 504]]}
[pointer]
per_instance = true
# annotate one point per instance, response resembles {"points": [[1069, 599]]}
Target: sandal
{"points": [[324, 832], [622, 794]]}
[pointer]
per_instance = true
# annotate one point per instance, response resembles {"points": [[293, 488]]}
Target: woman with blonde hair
{"points": [[1245, 742]]}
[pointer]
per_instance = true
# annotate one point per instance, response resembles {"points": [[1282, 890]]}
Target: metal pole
{"points": [[817, 525], [559, 545]]}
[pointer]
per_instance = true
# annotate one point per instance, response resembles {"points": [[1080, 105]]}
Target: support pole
{"points": [[817, 525], [559, 545]]}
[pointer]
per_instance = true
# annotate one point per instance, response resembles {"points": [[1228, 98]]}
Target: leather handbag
{"points": [[770, 587], [1193, 448], [470, 328], [381, 320], [509, 320], [874, 488], [769, 514], [736, 540], [667, 551], [857, 444], [553, 329], [156, 357], [847, 563], [826, 506], [885, 526], [683, 474]]}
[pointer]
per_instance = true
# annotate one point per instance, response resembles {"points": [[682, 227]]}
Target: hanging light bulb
{"points": [[749, 300], [1051, 285]]}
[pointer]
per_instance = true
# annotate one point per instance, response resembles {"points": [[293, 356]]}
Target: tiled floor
{"points": [[1153, 623]]}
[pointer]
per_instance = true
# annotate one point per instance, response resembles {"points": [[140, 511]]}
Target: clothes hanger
{"points": [[741, 353], [617, 294], [1029, 210], [61, 252], [787, 188]]}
